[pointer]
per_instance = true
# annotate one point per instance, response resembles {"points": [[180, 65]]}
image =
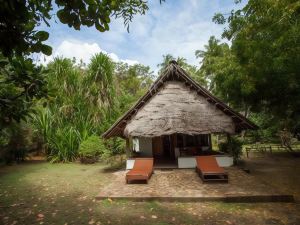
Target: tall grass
{"points": [[86, 101], [76, 106]]}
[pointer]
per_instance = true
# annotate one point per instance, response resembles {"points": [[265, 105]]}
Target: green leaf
{"points": [[46, 49], [106, 26], [89, 2], [63, 16], [99, 27], [42, 35], [3, 62]]}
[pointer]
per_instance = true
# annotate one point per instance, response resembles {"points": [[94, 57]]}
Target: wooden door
{"points": [[157, 147]]}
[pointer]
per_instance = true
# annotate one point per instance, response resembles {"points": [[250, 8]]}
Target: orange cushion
{"points": [[208, 164]]}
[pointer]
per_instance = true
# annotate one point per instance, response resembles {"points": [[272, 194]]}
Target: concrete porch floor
{"points": [[186, 185]]}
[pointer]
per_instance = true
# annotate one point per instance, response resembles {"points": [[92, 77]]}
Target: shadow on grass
{"points": [[114, 168], [64, 193]]}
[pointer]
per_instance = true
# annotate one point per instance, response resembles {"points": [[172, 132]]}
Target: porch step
{"points": [[225, 198], [165, 169]]}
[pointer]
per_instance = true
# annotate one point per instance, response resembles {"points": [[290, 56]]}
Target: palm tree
{"points": [[209, 57], [167, 59], [101, 71]]}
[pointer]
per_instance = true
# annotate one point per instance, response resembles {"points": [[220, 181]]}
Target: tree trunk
{"points": [[127, 148], [246, 113], [286, 138]]}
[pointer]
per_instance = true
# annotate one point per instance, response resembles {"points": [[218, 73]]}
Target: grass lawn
{"points": [[43, 193]]}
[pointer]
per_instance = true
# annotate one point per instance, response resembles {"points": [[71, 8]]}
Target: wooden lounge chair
{"points": [[208, 169], [142, 170]]}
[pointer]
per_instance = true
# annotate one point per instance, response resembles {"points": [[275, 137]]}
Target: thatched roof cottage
{"points": [[174, 120]]}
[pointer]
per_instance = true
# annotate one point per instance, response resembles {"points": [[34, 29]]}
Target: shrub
{"points": [[91, 149], [115, 147], [233, 146], [15, 142], [235, 149], [223, 147]]}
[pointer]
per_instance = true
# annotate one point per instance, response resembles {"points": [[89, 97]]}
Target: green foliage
{"points": [[268, 128], [21, 83], [265, 39], [85, 102], [90, 149], [226, 77], [98, 13], [19, 20], [116, 146], [101, 76], [193, 71], [259, 73], [15, 142], [73, 111], [223, 147], [114, 151], [63, 145], [233, 146]]}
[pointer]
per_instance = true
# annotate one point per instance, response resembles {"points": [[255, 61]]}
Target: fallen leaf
{"points": [[40, 215], [91, 221], [154, 217], [142, 217]]}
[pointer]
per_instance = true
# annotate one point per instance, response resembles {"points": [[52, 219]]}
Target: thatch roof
{"points": [[175, 103]]}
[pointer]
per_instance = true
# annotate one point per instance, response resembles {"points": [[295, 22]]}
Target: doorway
{"points": [[163, 152], [167, 146]]}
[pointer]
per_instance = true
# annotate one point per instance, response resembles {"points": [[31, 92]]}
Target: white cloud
{"points": [[81, 51], [177, 27]]}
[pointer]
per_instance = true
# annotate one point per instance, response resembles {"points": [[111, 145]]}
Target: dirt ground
{"points": [[43, 193], [279, 169]]}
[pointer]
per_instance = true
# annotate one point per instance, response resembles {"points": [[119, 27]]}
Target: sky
{"points": [[177, 27]]}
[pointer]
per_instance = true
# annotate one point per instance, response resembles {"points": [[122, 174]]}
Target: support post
{"points": [[127, 148], [209, 140], [228, 137]]}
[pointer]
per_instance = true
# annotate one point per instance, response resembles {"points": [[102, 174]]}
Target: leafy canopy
{"points": [[84, 102], [21, 83], [265, 39], [19, 20], [21, 80], [259, 72]]}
